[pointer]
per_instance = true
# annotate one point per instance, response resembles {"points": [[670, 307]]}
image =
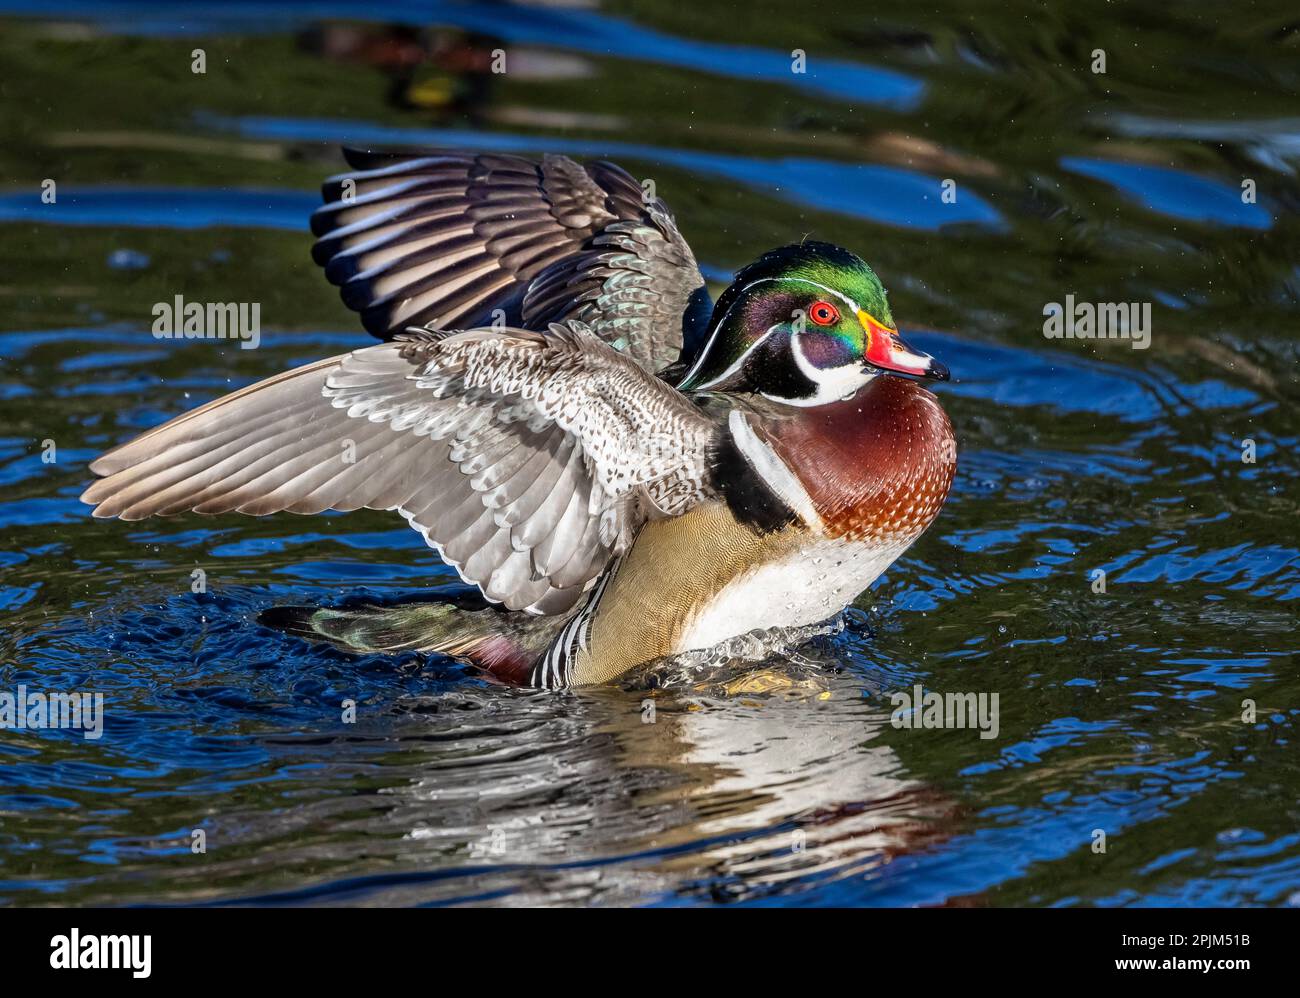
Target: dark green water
{"points": [[1125, 712]]}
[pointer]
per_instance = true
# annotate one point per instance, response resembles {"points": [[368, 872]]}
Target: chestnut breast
{"points": [[877, 466]]}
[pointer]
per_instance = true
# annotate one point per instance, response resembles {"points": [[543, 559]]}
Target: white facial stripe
{"points": [[739, 362], [853, 306], [772, 470], [713, 335]]}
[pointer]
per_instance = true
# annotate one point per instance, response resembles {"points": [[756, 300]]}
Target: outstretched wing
{"points": [[445, 240], [527, 460]]}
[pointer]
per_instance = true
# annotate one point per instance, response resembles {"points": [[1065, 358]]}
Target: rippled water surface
{"points": [[1160, 712]]}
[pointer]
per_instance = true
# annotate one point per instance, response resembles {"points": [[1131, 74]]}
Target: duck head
{"points": [[807, 325]]}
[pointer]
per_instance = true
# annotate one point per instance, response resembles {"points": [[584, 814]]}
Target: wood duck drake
{"points": [[770, 471]]}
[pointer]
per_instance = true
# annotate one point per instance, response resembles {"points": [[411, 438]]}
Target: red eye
{"points": [[824, 313]]}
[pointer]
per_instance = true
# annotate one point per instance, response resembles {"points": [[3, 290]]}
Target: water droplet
{"points": [[128, 259]]}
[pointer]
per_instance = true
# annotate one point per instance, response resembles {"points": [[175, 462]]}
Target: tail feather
{"points": [[505, 645]]}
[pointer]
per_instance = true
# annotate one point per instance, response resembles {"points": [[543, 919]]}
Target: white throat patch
{"points": [[833, 384]]}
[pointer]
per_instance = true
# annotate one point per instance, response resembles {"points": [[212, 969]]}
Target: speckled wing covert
{"points": [[528, 460], [450, 240]]}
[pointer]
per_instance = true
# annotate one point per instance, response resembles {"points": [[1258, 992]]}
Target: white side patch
{"points": [[772, 470]]}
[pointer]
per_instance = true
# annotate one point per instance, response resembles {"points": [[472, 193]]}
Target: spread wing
{"points": [[453, 240], [527, 460]]}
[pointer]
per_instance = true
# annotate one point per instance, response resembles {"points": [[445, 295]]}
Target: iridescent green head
{"points": [[805, 324]]}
